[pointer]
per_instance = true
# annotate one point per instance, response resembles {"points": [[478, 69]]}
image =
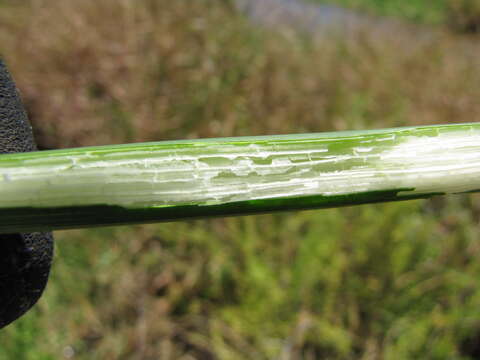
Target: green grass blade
{"points": [[175, 180]]}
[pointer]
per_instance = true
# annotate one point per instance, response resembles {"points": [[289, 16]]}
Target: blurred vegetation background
{"points": [[459, 15], [388, 281]]}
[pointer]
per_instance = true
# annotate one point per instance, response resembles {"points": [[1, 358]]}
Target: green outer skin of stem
{"points": [[175, 180]]}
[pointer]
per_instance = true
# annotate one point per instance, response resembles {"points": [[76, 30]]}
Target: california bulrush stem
{"points": [[175, 180]]}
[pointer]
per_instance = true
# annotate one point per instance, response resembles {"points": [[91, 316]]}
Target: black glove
{"points": [[25, 259]]}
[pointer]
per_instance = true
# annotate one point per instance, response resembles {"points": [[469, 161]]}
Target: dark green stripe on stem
{"points": [[100, 215]]}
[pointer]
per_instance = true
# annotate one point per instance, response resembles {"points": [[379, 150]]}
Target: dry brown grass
{"points": [[117, 71], [464, 15]]}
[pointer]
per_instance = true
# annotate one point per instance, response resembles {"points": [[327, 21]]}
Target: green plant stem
{"points": [[175, 180]]}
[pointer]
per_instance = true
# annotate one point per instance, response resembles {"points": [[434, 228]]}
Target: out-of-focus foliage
{"points": [[391, 281], [425, 11], [462, 16]]}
